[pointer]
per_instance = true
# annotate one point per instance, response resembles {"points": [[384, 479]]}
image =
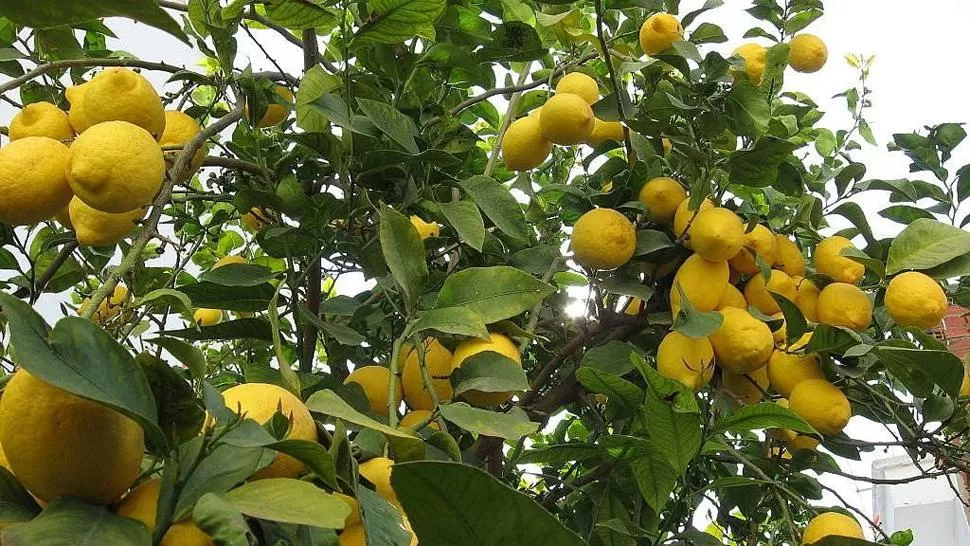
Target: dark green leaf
{"points": [[329, 403], [489, 372], [250, 328], [795, 323], [921, 370], [340, 332], [654, 475], [498, 204], [70, 522], [559, 455], [187, 354], [620, 391], [313, 455], [382, 520], [391, 122], [467, 220], [748, 110], [854, 213], [613, 357], [238, 275], [904, 214], [404, 252], [234, 298], [298, 14], [762, 416], [493, 293], [52, 13], [221, 521], [758, 166], [395, 21]]}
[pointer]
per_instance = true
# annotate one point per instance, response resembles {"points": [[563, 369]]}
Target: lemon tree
{"points": [[495, 273]]}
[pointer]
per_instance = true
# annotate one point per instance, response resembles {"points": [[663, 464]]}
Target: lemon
{"points": [[760, 240], [605, 130], [716, 234], [115, 167], [119, 94], [414, 418], [829, 524], [378, 472], [109, 308], [354, 517], [747, 388], [634, 307], [743, 343], [96, 228], [788, 257], [806, 297], [75, 96], [802, 441], [659, 32], [684, 216], [185, 533], [566, 119], [829, 261], [666, 145], [787, 369], [807, 53], [843, 304], [915, 299], [41, 119], [499, 343], [603, 239], [256, 219], [425, 229], [260, 402], [59, 444], [702, 282], [352, 536], [732, 297], [686, 360], [662, 195], [141, 504], [577, 83], [32, 181], [375, 381], [207, 317], [179, 130], [279, 110], [524, 146], [229, 260], [438, 361], [965, 386], [758, 293], [821, 404], [754, 56], [781, 333]]}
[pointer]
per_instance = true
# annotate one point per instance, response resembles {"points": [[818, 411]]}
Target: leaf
{"points": [[54, 13], [238, 275], [654, 475], [762, 416], [925, 244], [758, 167], [164, 298], [559, 455], [344, 335], [467, 220], [432, 492], [381, 519], [187, 354], [313, 455], [827, 339], [854, 213], [748, 109], [493, 293], [904, 214], [511, 426], [404, 252], [298, 14], [795, 323], [679, 433], [620, 391], [650, 241], [391, 122], [223, 468], [394, 21], [498, 204], [696, 324], [179, 412], [250, 328], [459, 321], [329, 403], [289, 501], [920, 369], [70, 522], [16, 503], [221, 521], [246, 299], [708, 33], [489, 371], [956, 267], [612, 357]]}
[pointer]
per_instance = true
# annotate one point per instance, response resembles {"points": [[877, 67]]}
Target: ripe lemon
{"points": [[743, 343], [425, 229], [666, 145], [754, 56], [378, 472], [787, 369], [256, 219], [96, 228], [760, 240], [141, 504], [109, 308], [566, 119], [829, 524], [352, 536], [634, 307], [662, 195], [414, 418], [179, 130], [603, 239], [354, 517], [499, 343], [438, 361], [659, 32], [716, 234], [375, 381], [186, 533], [843, 304], [808, 53], [59, 444], [686, 360], [758, 293], [605, 130], [965, 386], [577, 83], [207, 317], [806, 297], [788, 257], [524, 146], [732, 297], [259, 402], [780, 333], [41, 119], [915, 299], [278, 110], [684, 216], [703, 283], [821, 404], [829, 261], [233, 259], [33, 185], [802, 441], [116, 167], [747, 388], [75, 96], [119, 94]]}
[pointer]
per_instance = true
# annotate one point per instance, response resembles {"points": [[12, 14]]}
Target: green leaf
{"points": [[925, 244], [459, 321], [432, 492], [696, 324], [16, 503], [382, 520], [612, 357], [53, 13], [250, 328], [620, 391], [748, 109], [921, 370], [762, 416], [221, 521], [489, 371], [404, 252], [179, 412], [298, 14], [70, 522], [679, 433], [650, 241], [187, 354], [904, 214], [467, 220], [289, 501], [854, 213], [344, 335], [329, 403], [238, 275], [223, 468], [394, 21], [511, 426], [559, 455], [870, 263], [493, 293], [163, 298], [391, 122], [831, 339], [758, 166], [654, 475], [498, 204], [708, 33], [245, 299], [795, 323], [313, 455], [956, 267]]}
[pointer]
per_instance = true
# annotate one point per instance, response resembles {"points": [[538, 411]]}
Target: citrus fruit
{"points": [[524, 146], [807, 53], [634, 307], [716, 234], [438, 361], [278, 109], [352, 536], [109, 308], [702, 282], [843, 304], [829, 261], [499, 343], [605, 130], [566, 119], [662, 195], [743, 343], [141, 504], [829, 524], [75, 96], [787, 369], [686, 360], [821, 404], [754, 56], [354, 517], [659, 32], [375, 380], [780, 333], [179, 130], [232, 259], [32, 180], [684, 216], [802, 441], [748, 388], [95, 228], [788, 257], [119, 94], [915, 299], [425, 229], [603, 239], [207, 317], [806, 297], [378, 472], [577, 83], [41, 119], [414, 418], [255, 220], [760, 240], [732, 297], [759, 294]]}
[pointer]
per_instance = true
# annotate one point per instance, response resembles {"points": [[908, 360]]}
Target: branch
{"points": [[233, 163], [308, 345], [49, 273], [607, 56], [82, 63]]}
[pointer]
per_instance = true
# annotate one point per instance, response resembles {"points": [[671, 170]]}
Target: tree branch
{"points": [[82, 63]]}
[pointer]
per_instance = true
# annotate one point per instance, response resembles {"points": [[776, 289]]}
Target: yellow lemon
{"points": [[524, 146], [702, 282], [425, 229], [41, 119], [179, 130], [375, 381], [185, 533], [760, 240], [781, 333], [278, 110], [743, 343], [75, 96], [787, 369], [801, 441], [666, 145], [59, 444], [141, 504], [686, 360], [499, 343], [352, 536], [684, 216], [808, 53], [33, 185], [806, 297], [109, 308], [747, 388], [605, 130], [716, 234], [829, 261], [788, 257], [234, 259], [577, 83], [256, 219], [259, 402], [732, 297], [438, 361], [843, 304], [634, 307], [354, 517], [378, 472], [829, 524], [96, 228], [566, 119], [965, 386], [758, 293], [915, 299], [659, 32], [414, 418], [116, 167], [754, 56], [119, 94], [603, 239], [207, 317], [821, 404], [662, 195]]}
